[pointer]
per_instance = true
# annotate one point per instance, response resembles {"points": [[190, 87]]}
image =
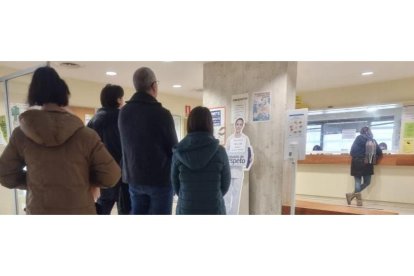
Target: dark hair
{"points": [[110, 95], [364, 130], [47, 87], [383, 146], [317, 148], [200, 120]]}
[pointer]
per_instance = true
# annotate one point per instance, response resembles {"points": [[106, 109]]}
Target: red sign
{"points": [[187, 110]]}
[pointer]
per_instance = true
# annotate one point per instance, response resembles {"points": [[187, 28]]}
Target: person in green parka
{"points": [[200, 171]]}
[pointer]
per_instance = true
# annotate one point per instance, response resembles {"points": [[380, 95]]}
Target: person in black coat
{"points": [[200, 171], [147, 137], [105, 123], [364, 152]]}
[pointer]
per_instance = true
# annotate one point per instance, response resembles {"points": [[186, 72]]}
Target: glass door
{"points": [[14, 89]]}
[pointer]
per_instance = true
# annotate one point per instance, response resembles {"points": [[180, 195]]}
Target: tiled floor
{"points": [[401, 208]]}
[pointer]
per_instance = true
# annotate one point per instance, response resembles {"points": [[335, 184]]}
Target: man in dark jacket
{"points": [[147, 137], [105, 123]]}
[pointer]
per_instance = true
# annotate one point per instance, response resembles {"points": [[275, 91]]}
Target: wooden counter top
{"points": [[387, 159], [317, 208]]}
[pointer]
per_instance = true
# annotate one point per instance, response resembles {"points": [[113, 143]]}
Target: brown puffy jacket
{"points": [[64, 161]]}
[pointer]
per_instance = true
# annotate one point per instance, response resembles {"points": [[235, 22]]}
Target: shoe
{"points": [[359, 199], [349, 197]]}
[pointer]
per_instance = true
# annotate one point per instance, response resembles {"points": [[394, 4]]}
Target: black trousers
{"points": [[118, 194]]}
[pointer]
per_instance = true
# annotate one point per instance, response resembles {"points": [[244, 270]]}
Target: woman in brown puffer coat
{"points": [[64, 159]]}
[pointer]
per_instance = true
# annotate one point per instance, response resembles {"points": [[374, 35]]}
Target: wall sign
{"points": [[219, 123]]}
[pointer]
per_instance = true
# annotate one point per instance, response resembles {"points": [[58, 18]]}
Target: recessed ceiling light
{"points": [[367, 73], [177, 86], [70, 65], [111, 73]]}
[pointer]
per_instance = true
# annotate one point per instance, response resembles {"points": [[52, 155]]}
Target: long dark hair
{"points": [[200, 120]]}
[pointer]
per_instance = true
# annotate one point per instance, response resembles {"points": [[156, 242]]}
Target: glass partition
{"points": [[334, 130], [17, 89], [7, 196], [14, 89]]}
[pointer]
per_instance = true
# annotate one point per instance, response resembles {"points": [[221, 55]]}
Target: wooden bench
{"points": [[316, 208]]}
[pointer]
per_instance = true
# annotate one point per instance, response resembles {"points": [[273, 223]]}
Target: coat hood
{"points": [[105, 116], [49, 128], [196, 150]]}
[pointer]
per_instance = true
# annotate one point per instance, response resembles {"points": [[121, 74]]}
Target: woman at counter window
{"points": [[365, 153]]}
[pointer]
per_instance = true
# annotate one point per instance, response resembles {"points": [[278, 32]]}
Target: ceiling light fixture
{"points": [[367, 73], [70, 65], [177, 86], [111, 73]]}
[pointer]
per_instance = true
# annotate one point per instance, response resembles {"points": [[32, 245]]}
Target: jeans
{"points": [[365, 180], [151, 200]]}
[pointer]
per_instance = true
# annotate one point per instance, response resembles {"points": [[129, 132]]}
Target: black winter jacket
{"points": [[147, 137], [105, 123], [358, 166], [200, 174]]}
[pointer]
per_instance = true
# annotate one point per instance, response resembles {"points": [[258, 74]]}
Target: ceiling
{"points": [[312, 75], [317, 75]]}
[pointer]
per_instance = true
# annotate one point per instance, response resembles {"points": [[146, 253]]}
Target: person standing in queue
{"points": [[147, 137], [200, 170], [53, 155], [105, 123]]}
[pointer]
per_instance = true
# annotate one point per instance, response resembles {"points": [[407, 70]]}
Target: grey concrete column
{"points": [[269, 176]]}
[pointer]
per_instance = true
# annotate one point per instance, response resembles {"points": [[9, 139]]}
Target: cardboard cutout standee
{"points": [[240, 155]]}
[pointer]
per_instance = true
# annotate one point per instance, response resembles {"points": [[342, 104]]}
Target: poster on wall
{"points": [[295, 133], [15, 110], [3, 130], [240, 107], [407, 130], [261, 106], [219, 123]]}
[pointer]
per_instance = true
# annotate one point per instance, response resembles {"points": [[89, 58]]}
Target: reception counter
{"points": [[329, 176], [387, 159]]}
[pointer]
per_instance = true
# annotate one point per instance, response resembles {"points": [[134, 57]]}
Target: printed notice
{"points": [[408, 130], [408, 145], [239, 107]]}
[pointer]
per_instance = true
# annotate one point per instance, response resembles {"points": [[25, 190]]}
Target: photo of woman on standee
{"points": [[238, 144]]}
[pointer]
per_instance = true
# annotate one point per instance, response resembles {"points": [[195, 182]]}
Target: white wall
{"points": [[389, 183]]}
